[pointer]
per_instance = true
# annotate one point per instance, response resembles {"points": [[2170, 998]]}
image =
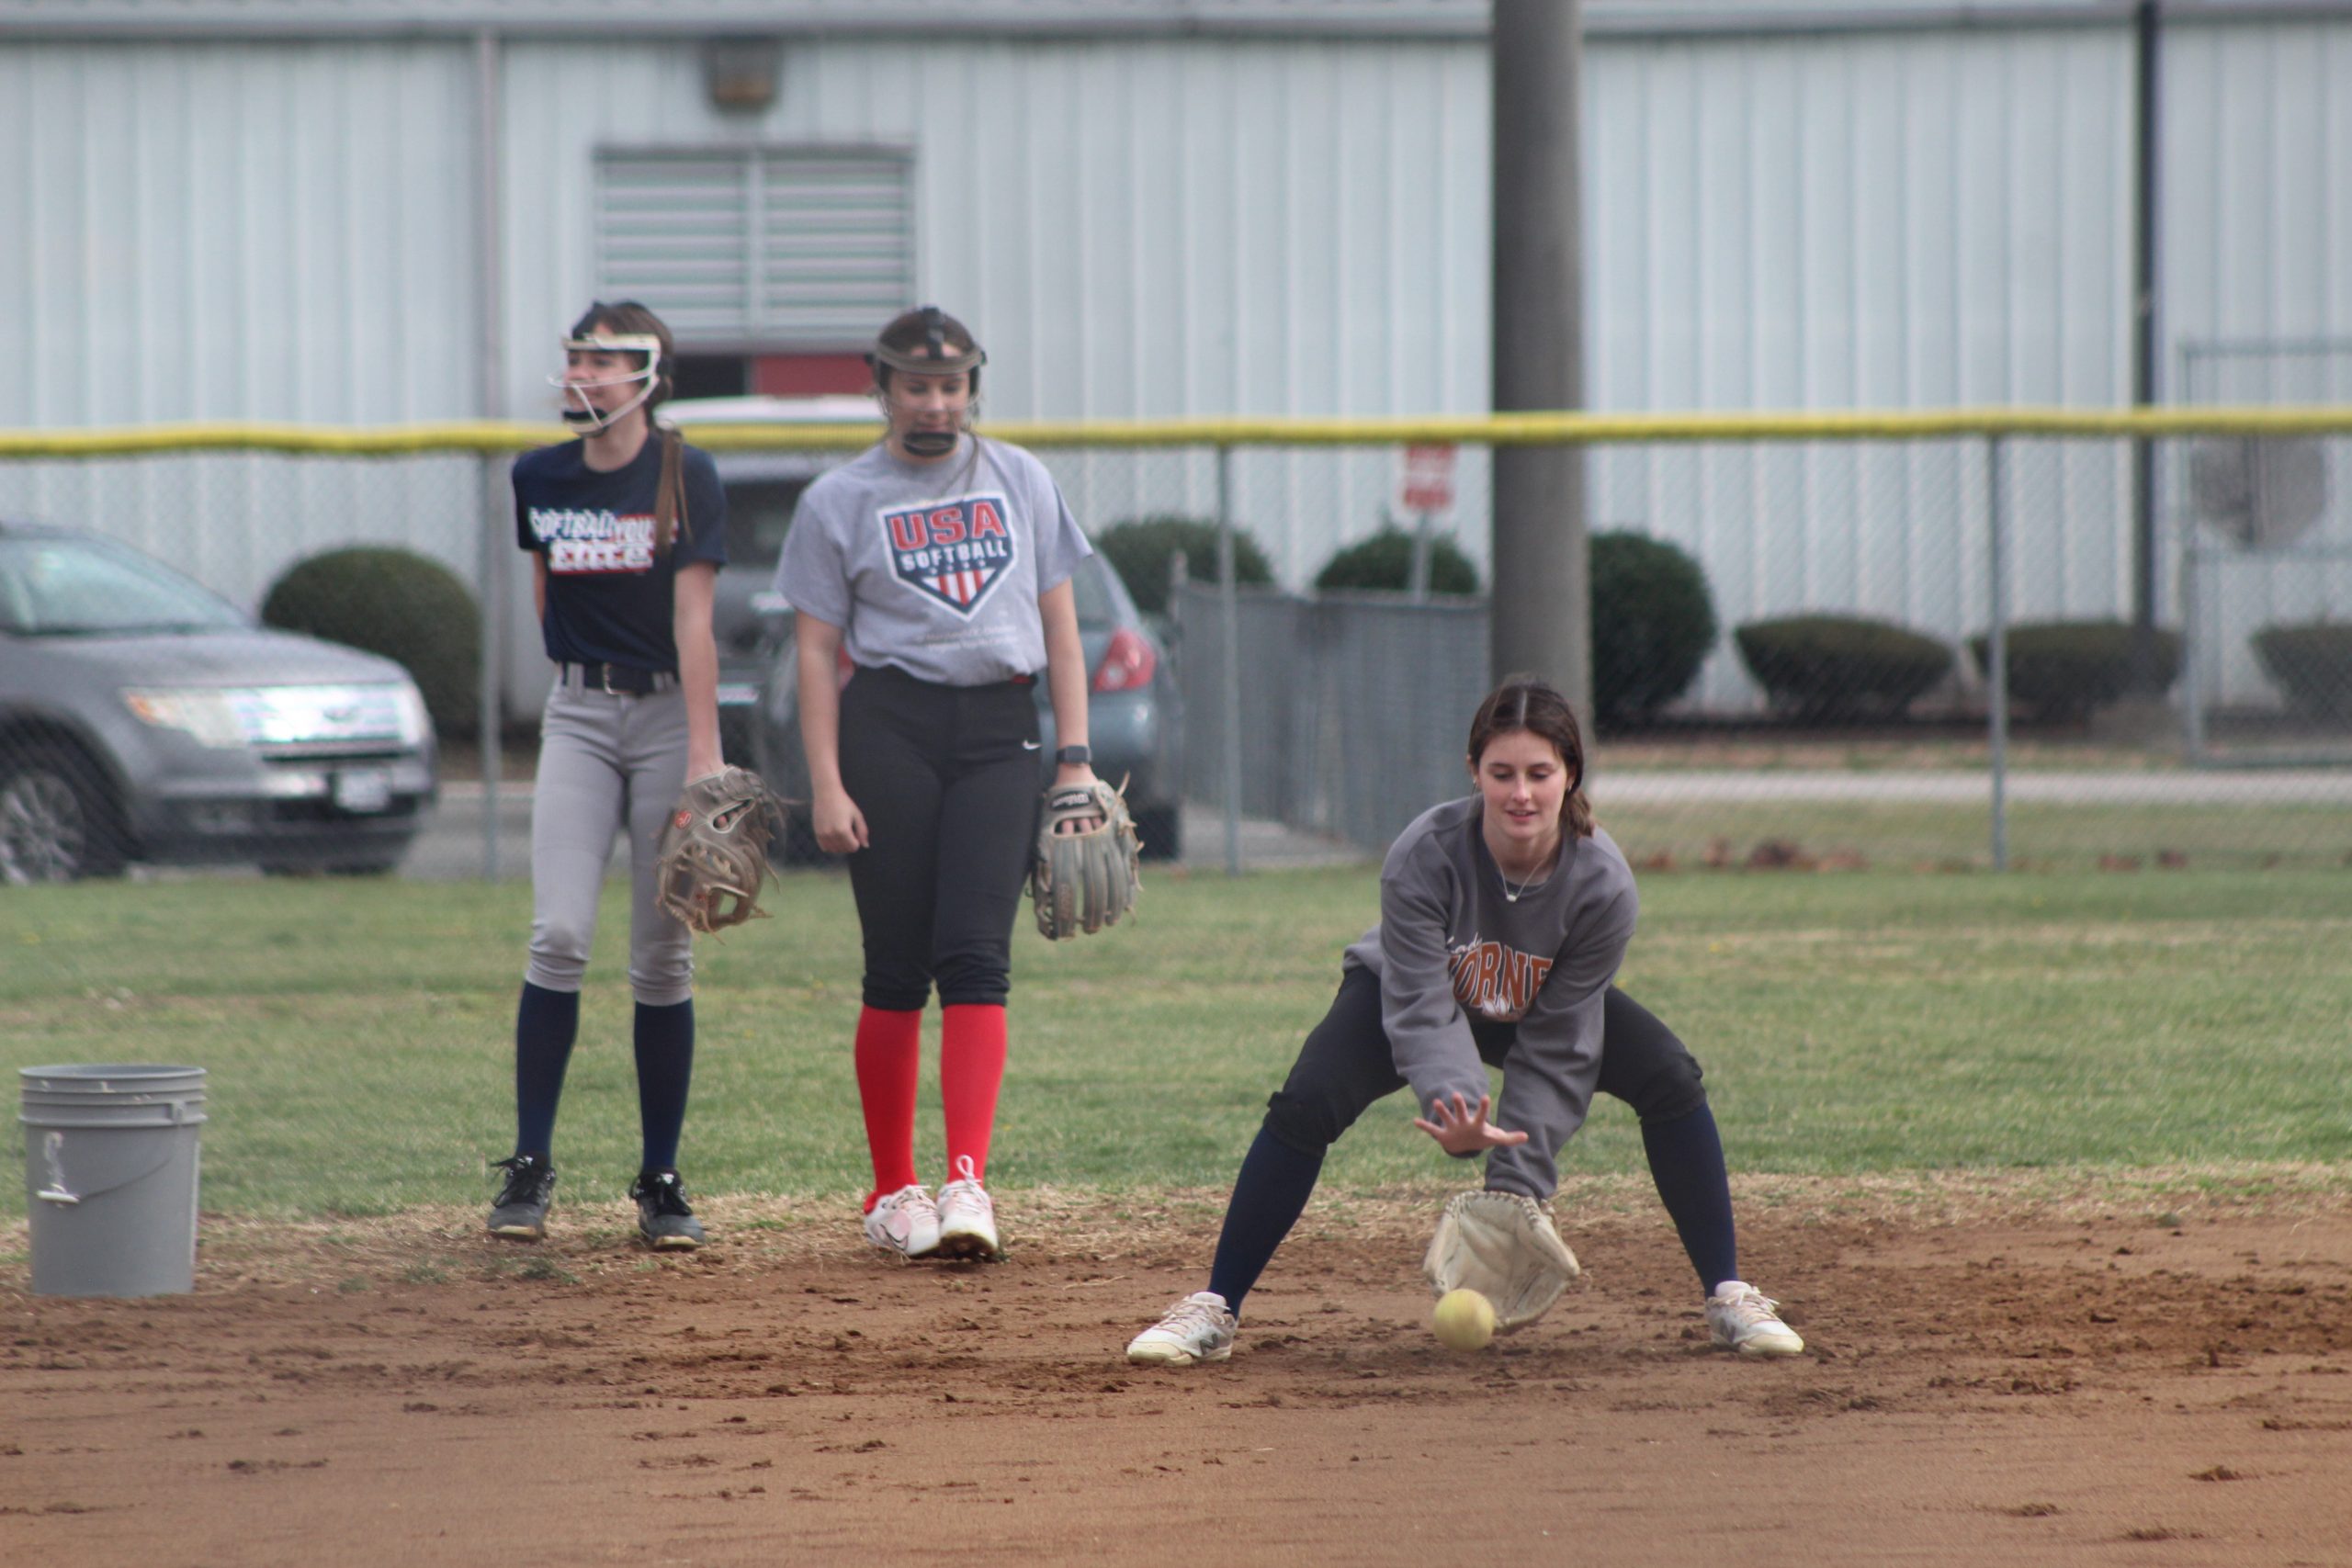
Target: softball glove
{"points": [[1087, 878], [1502, 1246], [715, 851]]}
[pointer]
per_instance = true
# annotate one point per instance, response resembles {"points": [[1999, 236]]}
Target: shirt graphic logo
{"points": [[1495, 981], [582, 543], [953, 551]]}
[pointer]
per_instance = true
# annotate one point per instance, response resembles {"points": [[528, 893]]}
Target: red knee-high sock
{"points": [[971, 1070], [889, 1046]]}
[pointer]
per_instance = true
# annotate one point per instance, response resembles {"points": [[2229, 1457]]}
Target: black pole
{"points": [[1542, 615], [2146, 168]]}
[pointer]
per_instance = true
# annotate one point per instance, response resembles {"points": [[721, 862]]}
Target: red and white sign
{"points": [[1429, 479]]}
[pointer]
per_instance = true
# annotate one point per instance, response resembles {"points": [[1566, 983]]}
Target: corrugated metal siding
{"points": [[1161, 227], [1857, 221], [1136, 229], [263, 231], [2257, 227]]}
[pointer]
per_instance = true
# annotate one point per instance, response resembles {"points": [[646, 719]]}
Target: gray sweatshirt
{"points": [[1450, 943]]}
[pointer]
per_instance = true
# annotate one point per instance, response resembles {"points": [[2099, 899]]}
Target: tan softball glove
{"points": [[715, 851], [1084, 879], [1502, 1246]]}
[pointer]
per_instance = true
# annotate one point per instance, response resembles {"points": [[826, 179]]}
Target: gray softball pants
{"points": [[608, 764]]}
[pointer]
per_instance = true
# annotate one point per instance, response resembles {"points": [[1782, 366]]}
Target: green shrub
{"points": [[411, 609], [2311, 663], [1832, 668], [1141, 548], [2068, 669], [1653, 626], [1385, 561]]}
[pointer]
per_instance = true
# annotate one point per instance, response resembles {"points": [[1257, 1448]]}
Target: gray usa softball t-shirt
{"points": [[934, 567]]}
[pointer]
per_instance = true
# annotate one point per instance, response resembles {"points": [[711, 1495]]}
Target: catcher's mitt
{"points": [[1084, 880], [715, 852], [1503, 1247]]}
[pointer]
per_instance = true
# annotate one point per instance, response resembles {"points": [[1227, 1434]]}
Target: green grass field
{"points": [[358, 1035]]}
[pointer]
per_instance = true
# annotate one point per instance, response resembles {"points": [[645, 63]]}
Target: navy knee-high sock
{"points": [[665, 1065], [546, 1023], [1686, 1162], [1268, 1197]]}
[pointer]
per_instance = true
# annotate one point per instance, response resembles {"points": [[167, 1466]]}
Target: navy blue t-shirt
{"points": [[608, 593]]}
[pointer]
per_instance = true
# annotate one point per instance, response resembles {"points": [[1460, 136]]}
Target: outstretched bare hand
{"points": [[1461, 1130]]}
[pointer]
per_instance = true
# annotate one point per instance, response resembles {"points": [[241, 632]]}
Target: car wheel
{"points": [[58, 821], [1161, 828]]}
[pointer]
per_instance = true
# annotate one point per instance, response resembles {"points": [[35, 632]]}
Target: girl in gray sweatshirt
{"points": [[1504, 917]]}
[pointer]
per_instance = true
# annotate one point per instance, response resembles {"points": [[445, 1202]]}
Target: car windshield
{"points": [[57, 586], [758, 514]]}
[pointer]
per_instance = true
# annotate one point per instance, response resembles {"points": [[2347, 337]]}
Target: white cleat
{"points": [[1197, 1328], [967, 1217], [905, 1222], [1745, 1319]]}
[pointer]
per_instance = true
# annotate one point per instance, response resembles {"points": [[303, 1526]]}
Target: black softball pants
{"points": [[1345, 1066], [948, 779]]}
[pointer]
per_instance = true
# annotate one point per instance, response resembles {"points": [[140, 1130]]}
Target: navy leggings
{"points": [[948, 779], [1345, 1067]]}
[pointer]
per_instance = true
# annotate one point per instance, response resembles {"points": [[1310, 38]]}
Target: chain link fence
{"points": [[1832, 701]]}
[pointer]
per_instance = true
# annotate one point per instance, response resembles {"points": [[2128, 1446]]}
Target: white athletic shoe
{"points": [[1197, 1328], [1745, 1319], [967, 1217], [905, 1222]]}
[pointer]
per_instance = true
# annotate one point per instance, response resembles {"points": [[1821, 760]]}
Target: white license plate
{"points": [[364, 790]]}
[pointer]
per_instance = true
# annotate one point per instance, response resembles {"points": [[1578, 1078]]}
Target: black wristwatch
{"points": [[1074, 755]]}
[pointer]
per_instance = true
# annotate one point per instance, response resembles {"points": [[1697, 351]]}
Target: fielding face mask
{"points": [[581, 413]]}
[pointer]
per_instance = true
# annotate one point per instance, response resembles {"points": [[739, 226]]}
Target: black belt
{"points": [[618, 680]]}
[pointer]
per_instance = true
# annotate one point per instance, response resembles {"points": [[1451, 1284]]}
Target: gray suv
{"points": [[142, 718]]}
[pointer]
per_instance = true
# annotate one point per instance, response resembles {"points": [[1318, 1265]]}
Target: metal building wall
{"points": [[1138, 228], [1943, 218], [1160, 226], [257, 232], [1894, 219], [2257, 247]]}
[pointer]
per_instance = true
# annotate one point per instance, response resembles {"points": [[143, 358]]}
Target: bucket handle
{"points": [[56, 1191]]}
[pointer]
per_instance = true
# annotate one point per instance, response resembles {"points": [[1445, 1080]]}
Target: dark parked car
{"points": [[762, 490], [1133, 715], [142, 718]]}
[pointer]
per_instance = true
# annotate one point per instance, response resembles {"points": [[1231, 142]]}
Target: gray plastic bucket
{"points": [[110, 1157]]}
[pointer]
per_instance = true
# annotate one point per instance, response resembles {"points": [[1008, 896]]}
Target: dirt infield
{"points": [[1992, 1379]]}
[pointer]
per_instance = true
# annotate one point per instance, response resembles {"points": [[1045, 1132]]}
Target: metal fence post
{"points": [[2192, 651], [493, 653], [1997, 650], [1230, 630]]}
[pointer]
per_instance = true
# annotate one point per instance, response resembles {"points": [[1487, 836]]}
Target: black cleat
{"points": [[521, 1211], [663, 1217]]}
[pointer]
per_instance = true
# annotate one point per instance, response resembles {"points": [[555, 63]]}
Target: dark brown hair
{"points": [[929, 332], [628, 316], [1528, 702]]}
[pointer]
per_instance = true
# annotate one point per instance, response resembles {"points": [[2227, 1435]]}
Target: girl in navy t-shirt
{"points": [[627, 529]]}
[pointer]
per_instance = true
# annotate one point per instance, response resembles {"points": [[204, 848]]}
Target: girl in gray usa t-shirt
{"points": [[934, 568], [939, 562], [1503, 919]]}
